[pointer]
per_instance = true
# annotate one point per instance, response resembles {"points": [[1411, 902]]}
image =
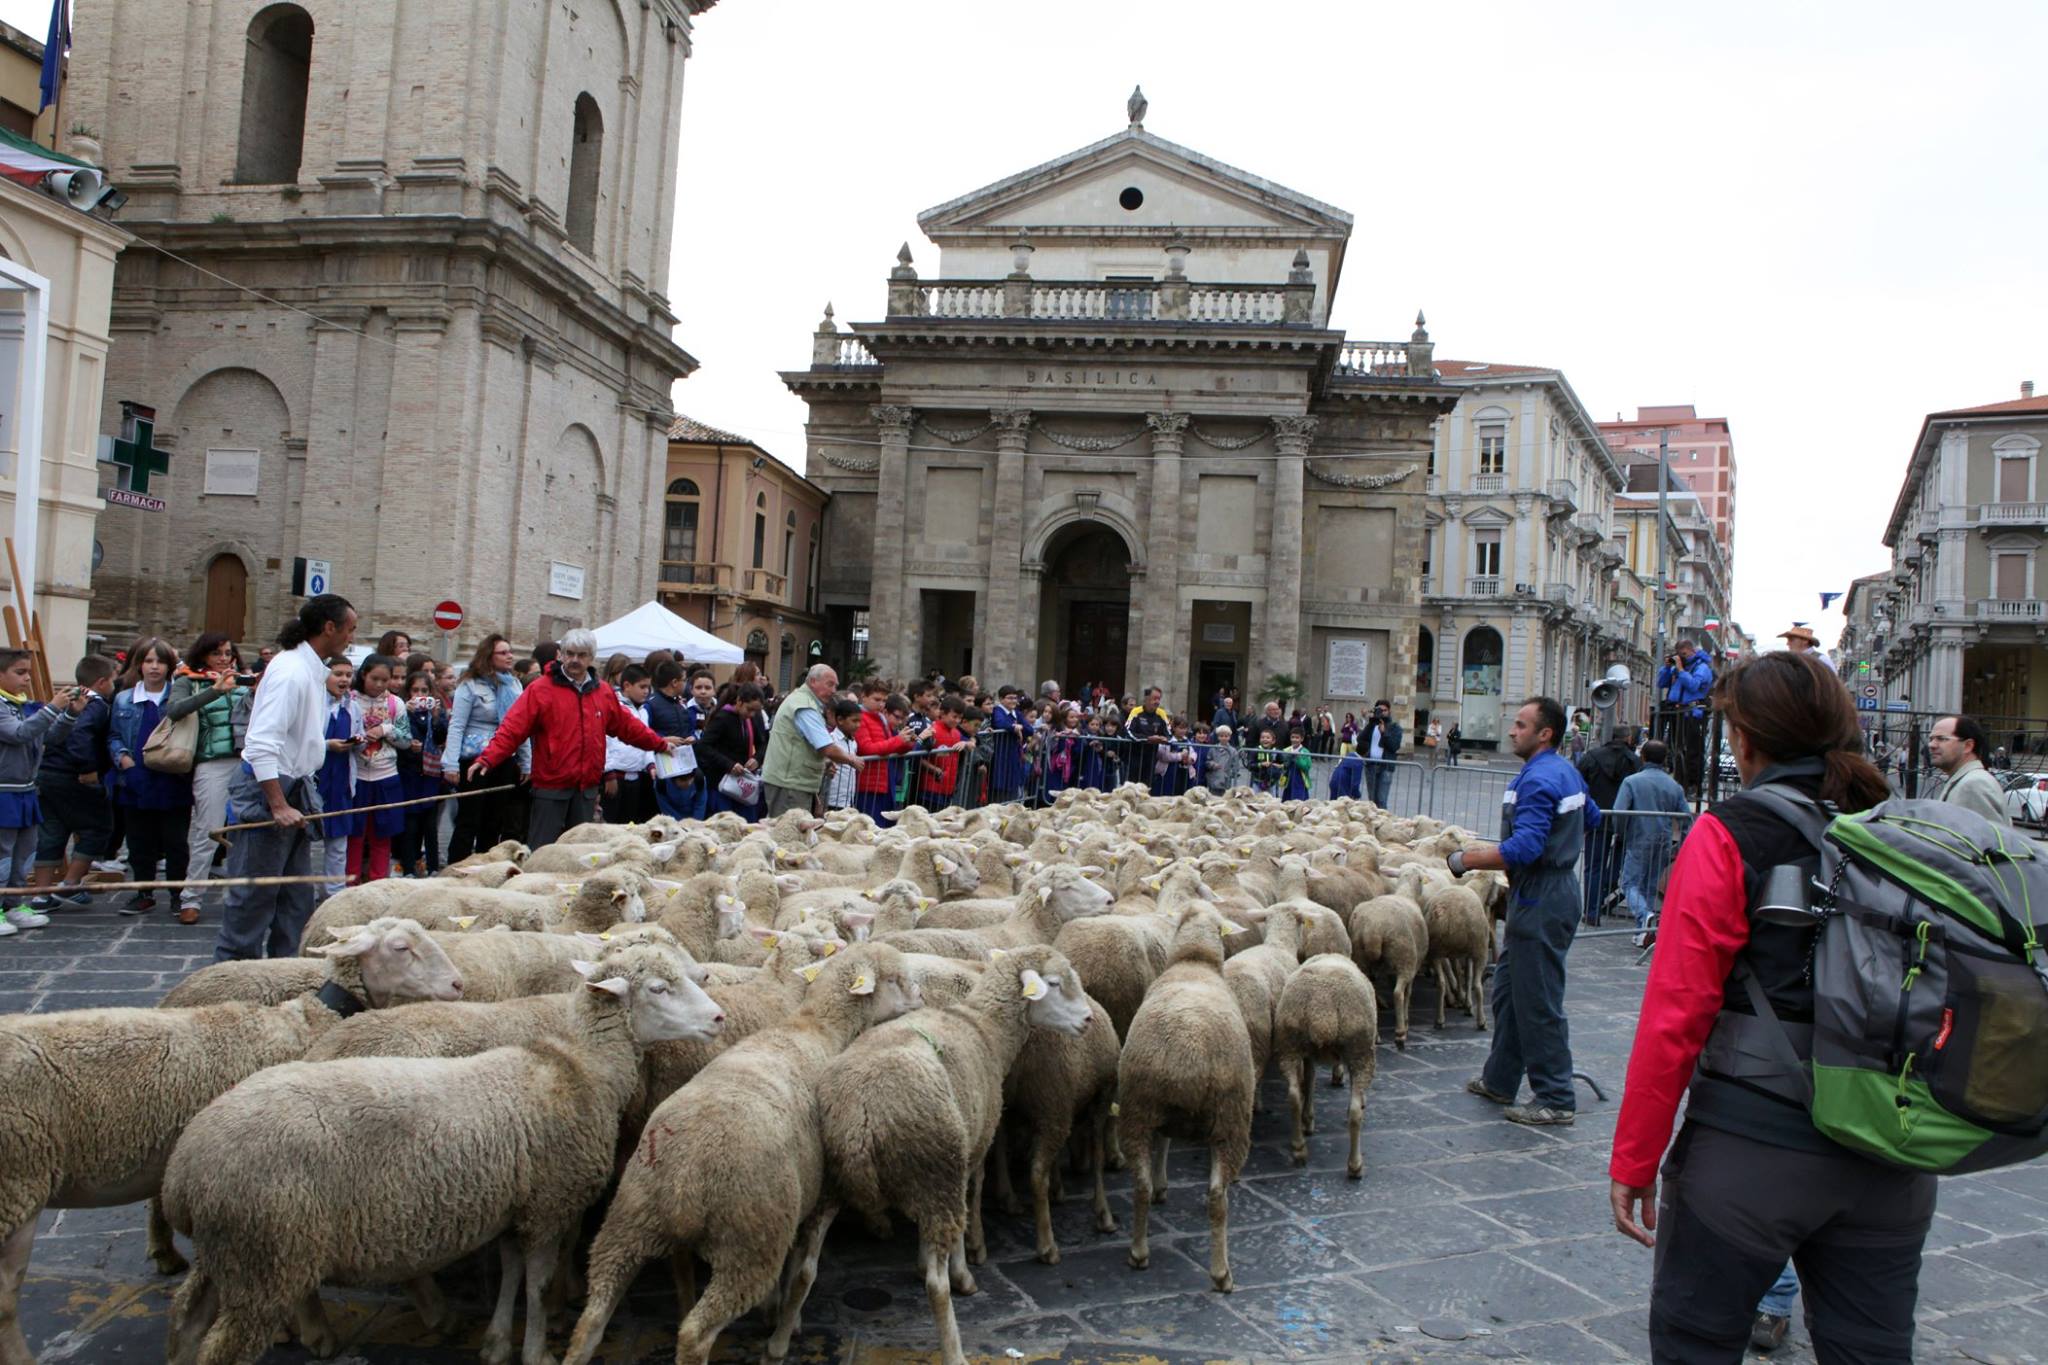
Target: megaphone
{"points": [[1608, 690], [80, 188]]}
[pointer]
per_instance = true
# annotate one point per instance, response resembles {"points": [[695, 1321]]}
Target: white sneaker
{"points": [[21, 917], [7, 930], [111, 865]]}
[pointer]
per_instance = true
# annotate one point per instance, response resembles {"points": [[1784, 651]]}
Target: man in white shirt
{"points": [[281, 758]]}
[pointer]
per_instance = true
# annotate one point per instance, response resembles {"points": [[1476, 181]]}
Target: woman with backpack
{"points": [[1750, 1181]]}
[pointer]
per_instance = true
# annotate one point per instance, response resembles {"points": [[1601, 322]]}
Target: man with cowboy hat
{"points": [[1801, 640]]}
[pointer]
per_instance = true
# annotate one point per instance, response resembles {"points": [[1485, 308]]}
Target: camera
{"points": [[245, 679]]}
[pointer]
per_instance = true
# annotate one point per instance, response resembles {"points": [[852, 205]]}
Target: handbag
{"points": [[742, 789], [173, 745]]}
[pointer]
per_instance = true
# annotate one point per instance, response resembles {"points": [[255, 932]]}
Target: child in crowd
{"points": [[337, 776], [381, 723], [937, 776], [25, 727], [1174, 770], [156, 806], [840, 778], [971, 790], [670, 715], [628, 791], [71, 787], [1295, 758], [418, 846], [1267, 773], [1009, 731], [1220, 762], [880, 735]]}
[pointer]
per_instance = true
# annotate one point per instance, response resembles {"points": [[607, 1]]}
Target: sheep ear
{"points": [[863, 983], [620, 897], [810, 973], [945, 867], [924, 903], [1034, 984], [767, 938], [1156, 883], [997, 954], [611, 985], [586, 970], [827, 947], [593, 859], [857, 920], [571, 887], [462, 921], [354, 943]]}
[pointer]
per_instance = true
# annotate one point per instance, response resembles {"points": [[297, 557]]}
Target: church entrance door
{"points": [[1084, 625], [227, 597]]}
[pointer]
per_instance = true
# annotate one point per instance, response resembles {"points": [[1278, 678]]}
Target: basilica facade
{"points": [[1114, 439]]}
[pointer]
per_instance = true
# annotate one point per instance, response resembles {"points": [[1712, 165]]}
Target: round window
{"points": [[1131, 197]]}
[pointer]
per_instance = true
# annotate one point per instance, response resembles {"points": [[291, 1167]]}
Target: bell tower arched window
{"points": [[586, 163], [276, 70]]}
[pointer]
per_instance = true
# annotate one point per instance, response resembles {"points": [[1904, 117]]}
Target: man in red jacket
{"points": [[566, 712]]}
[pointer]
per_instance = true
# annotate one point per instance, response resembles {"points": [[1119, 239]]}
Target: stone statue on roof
{"points": [[1136, 106]]}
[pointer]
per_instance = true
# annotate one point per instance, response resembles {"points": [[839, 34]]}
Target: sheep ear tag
{"points": [[944, 867], [924, 903], [593, 859], [810, 973], [1034, 985], [462, 921], [863, 984], [997, 954]]}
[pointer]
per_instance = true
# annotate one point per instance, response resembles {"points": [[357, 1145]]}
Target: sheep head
{"points": [[613, 896], [1069, 894], [660, 989], [872, 974], [731, 914], [394, 961], [1047, 984], [956, 876]]}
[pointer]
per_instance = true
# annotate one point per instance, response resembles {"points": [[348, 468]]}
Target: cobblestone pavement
{"points": [[1468, 1239]]}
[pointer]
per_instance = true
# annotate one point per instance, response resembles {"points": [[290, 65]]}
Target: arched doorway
{"points": [[1084, 622], [227, 596], [1479, 686]]}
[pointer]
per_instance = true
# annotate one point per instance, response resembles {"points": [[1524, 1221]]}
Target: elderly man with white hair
{"points": [[566, 712], [798, 751]]}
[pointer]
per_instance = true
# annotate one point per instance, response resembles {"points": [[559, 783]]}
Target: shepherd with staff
{"points": [[281, 758]]}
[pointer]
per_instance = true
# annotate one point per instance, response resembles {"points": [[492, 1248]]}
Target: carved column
{"points": [[1163, 650], [1283, 553], [998, 658], [887, 620]]}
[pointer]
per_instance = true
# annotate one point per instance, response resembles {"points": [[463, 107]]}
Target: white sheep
{"points": [[97, 1098], [1389, 933], [1257, 975], [1327, 1014], [1055, 896], [369, 1170], [909, 1110], [1056, 1082], [1460, 944], [1186, 1071], [732, 1165]]}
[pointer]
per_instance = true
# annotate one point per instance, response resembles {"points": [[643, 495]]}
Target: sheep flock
{"points": [[704, 1042]]}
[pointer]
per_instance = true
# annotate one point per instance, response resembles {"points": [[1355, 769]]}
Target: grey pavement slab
{"points": [[1468, 1239]]}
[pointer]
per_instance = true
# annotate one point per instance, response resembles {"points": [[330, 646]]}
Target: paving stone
{"points": [[1277, 1253], [1401, 1235], [1103, 1275], [1557, 1342], [1609, 1267], [1503, 1175], [2023, 1258], [2014, 1331], [1991, 1208], [1335, 1317], [1552, 1213], [1202, 1322], [1488, 1289], [1316, 1193], [1953, 1283]]}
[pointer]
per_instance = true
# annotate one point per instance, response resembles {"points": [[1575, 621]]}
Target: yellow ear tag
{"points": [[1034, 985], [772, 941], [924, 903], [830, 947], [863, 984], [810, 973], [605, 937], [462, 921], [997, 954], [593, 859], [572, 887]]}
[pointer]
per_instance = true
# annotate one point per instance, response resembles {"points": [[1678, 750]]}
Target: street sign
{"points": [[1866, 703], [448, 615], [121, 497], [319, 573], [1870, 690], [1898, 706]]}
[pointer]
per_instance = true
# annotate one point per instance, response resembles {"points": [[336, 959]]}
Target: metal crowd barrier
{"points": [[1627, 864]]}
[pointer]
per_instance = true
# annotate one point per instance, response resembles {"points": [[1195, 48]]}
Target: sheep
{"points": [[589, 857], [1056, 1081], [1389, 932], [1327, 1014], [507, 851], [494, 965], [1460, 943], [96, 1098], [1257, 975], [939, 874], [908, 1112], [732, 1165], [1056, 896], [1186, 1071], [315, 1171]]}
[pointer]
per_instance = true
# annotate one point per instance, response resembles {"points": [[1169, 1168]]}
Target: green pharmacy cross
{"points": [[137, 455]]}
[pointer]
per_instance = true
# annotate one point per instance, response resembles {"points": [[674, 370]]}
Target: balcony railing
{"points": [[1591, 526], [1176, 300], [763, 583], [1560, 593], [1564, 497], [685, 575], [1483, 585], [2008, 609], [1429, 585], [2013, 513], [1236, 303], [1489, 483]]}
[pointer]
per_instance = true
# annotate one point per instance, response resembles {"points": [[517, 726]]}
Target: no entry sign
{"points": [[448, 615]]}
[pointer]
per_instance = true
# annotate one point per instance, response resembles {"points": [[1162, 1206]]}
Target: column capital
{"points": [[893, 418], [1168, 423], [1010, 421], [1293, 434]]}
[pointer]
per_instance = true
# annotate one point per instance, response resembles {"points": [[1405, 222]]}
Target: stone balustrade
{"points": [[1483, 585], [2012, 514], [2006, 609]]}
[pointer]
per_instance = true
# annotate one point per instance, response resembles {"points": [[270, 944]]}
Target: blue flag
{"points": [[54, 48], [1826, 598]]}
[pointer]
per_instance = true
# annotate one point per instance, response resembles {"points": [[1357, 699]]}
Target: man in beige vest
{"points": [[1956, 745], [800, 744]]}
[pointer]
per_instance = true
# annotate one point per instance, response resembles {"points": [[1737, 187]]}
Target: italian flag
{"points": [[26, 163], [1713, 623]]}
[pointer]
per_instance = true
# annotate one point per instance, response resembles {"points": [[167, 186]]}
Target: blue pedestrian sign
{"points": [[1866, 703], [311, 577]]}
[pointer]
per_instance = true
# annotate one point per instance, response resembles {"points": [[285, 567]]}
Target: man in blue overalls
{"points": [[1544, 819]]}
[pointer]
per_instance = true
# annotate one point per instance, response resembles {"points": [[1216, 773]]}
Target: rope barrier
{"points": [[360, 810], [108, 888]]}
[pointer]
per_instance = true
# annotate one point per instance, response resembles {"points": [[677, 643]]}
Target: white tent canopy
{"points": [[652, 626]]}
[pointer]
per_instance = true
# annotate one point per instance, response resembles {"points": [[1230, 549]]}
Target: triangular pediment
{"points": [[1181, 189], [1487, 516]]}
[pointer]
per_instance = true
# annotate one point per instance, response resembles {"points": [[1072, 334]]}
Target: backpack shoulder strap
{"points": [[1805, 814]]}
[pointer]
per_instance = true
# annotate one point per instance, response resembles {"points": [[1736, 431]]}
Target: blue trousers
{"points": [[1379, 779], [1530, 1037], [1593, 868], [1780, 1297], [267, 921]]}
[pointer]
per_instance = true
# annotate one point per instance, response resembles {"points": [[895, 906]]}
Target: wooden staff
{"points": [[360, 810], [100, 888], [24, 628]]}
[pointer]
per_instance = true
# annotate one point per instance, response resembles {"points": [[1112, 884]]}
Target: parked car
{"points": [[2026, 797]]}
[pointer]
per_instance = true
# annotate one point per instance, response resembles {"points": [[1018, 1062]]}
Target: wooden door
{"points": [[1095, 643], [227, 596]]}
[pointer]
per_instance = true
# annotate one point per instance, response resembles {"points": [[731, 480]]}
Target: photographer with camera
{"points": [[209, 681], [1682, 687]]}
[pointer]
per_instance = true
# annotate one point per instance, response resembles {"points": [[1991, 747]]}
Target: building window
{"points": [[586, 163], [788, 548], [1493, 448], [788, 662], [811, 574], [276, 70], [1425, 662], [1486, 553], [2009, 575], [760, 530], [2015, 461], [679, 535]]}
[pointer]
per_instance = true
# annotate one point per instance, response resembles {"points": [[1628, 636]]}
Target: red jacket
{"points": [[875, 737], [1705, 923], [567, 725]]}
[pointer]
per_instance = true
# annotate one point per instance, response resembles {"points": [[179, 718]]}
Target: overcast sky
{"points": [[1821, 221]]}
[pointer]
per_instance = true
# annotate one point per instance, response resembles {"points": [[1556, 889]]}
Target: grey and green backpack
{"points": [[1929, 1046]]}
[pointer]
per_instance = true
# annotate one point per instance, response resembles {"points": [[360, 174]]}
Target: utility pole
{"points": [[1663, 515]]}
